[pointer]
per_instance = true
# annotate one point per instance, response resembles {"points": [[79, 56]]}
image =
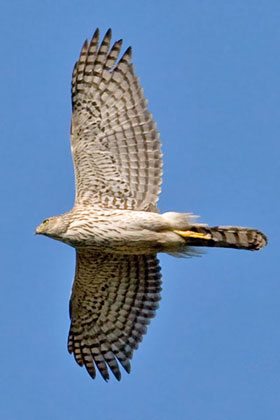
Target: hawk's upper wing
{"points": [[113, 299], [115, 144]]}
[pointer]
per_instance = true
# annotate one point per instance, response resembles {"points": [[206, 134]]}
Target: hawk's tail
{"points": [[224, 237]]}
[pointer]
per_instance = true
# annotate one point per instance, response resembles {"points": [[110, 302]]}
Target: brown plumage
{"points": [[115, 225]]}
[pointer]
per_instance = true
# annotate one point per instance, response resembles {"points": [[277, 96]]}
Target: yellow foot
{"points": [[190, 234]]}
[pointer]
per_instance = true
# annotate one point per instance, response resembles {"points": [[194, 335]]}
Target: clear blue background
{"points": [[210, 70]]}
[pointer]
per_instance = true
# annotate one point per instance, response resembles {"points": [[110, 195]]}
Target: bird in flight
{"points": [[115, 225]]}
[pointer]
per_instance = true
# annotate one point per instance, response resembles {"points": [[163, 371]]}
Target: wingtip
{"points": [[117, 375], [85, 46], [128, 52], [96, 34], [108, 36], [108, 33]]}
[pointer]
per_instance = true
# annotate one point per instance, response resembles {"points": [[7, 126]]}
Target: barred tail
{"points": [[225, 237]]}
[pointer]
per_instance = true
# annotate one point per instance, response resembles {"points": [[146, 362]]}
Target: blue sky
{"points": [[210, 70]]}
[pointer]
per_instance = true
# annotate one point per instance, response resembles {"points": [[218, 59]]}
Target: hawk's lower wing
{"points": [[113, 299]]}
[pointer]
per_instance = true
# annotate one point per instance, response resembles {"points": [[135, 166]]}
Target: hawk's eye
{"points": [[45, 221]]}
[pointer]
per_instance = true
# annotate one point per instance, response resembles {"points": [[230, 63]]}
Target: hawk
{"points": [[114, 225]]}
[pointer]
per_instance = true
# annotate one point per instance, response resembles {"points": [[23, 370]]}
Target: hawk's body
{"points": [[115, 225]]}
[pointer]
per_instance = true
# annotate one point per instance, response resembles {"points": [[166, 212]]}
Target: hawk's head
{"points": [[54, 227]]}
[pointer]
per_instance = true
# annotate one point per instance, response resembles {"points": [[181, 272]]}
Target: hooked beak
{"points": [[38, 230]]}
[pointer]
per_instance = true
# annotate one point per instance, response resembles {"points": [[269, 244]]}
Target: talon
{"points": [[190, 234]]}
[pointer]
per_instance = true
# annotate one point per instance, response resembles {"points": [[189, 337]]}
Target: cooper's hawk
{"points": [[115, 225]]}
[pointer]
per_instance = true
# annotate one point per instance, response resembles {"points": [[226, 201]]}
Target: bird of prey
{"points": [[115, 225]]}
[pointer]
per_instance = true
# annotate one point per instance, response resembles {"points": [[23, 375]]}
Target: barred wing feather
{"points": [[113, 300], [114, 140]]}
